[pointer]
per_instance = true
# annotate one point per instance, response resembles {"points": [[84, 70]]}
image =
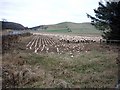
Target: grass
{"points": [[86, 31], [80, 71], [76, 28], [58, 31], [93, 69], [75, 31]]}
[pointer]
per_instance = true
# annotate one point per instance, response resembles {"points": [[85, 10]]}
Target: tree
{"points": [[69, 30], [4, 20], [107, 19]]}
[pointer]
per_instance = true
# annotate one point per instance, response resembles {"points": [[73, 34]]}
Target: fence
{"points": [[109, 41]]}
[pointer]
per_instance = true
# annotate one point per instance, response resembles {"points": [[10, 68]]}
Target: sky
{"points": [[43, 12]]}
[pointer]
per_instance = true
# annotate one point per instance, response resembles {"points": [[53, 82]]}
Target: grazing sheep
{"points": [[57, 50], [68, 41]]}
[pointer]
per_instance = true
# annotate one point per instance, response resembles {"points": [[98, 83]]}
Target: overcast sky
{"points": [[39, 12]]}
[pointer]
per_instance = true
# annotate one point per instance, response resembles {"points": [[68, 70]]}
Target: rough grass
{"points": [[95, 68]]}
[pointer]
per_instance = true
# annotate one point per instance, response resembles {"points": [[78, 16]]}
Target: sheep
{"points": [[57, 50], [68, 41]]}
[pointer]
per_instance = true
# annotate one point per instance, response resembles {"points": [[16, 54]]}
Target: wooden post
{"points": [[118, 63]]}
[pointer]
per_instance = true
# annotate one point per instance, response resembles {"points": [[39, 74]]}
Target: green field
{"points": [[76, 28], [58, 31]]}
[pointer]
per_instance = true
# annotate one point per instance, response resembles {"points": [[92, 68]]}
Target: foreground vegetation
{"points": [[93, 68]]}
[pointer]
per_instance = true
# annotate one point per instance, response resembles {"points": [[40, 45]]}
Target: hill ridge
{"points": [[68, 27], [12, 25]]}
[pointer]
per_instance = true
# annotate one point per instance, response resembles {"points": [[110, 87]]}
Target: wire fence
{"points": [[110, 41]]}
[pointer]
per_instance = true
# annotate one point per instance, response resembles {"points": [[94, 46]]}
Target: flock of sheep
{"points": [[58, 43], [72, 38]]}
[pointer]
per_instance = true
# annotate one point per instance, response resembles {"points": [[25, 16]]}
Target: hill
{"points": [[68, 27], [12, 25]]}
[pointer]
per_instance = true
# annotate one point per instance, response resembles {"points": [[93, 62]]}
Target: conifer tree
{"points": [[107, 19]]}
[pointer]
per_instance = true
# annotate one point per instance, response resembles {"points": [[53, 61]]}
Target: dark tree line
{"points": [[11, 25], [107, 19]]}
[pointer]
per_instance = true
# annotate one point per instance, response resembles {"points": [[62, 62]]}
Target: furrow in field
{"points": [[33, 42]]}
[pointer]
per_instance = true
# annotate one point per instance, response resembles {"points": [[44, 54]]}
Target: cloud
{"points": [[37, 12]]}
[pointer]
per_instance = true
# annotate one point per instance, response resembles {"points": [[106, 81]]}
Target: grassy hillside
{"points": [[12, 25], [75, 28]]}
